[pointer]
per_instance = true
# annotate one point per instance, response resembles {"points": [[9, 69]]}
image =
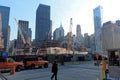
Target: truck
{"points": [[7, 63], [31, 62]]}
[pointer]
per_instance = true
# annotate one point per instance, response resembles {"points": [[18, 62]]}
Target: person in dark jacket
{"points": [[54, 70]]}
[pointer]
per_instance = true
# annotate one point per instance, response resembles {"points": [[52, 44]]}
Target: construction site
{"points": [[50, 49]]}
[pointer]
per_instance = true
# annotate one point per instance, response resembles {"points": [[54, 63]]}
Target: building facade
{"points": [[25, 32], [118, 23], [97, 28], [79, 37], [43, 24], [92, 43], [29, 35], [5, 12], [58, 33], [110, 36], [89, 42], [8, 40], [86, 40]]}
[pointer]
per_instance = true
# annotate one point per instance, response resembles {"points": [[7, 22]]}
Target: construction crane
{"points": [[1, 39], [70, 36], [21, 34], [27, 44]]}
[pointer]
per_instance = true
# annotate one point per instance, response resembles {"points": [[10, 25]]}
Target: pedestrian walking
{"points": [[54, 70]]}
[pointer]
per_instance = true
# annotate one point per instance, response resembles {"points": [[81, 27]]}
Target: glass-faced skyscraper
{"points": [[42, 24], [97, 28], [5, 11]]}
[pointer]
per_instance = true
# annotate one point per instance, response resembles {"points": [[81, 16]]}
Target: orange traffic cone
{"points": [[12, 70]]}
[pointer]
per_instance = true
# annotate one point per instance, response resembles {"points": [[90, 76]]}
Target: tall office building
{"points": [[86, 40], [5, 11], [118, 23], [43, 22], [79, 37], [8, 40], [97, 28], [110, 36], [92, 43], [25, 30], [58, 33], [30, 34]]}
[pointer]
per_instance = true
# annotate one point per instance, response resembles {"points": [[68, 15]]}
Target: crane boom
{"points": [[1, 39], [70, 36], [19, 29]]}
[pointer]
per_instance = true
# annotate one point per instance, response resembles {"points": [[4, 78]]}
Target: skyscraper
{"points": [[110, 36], [87, 40], [79, 37], [29, 33], [5, 11], [24, 29], [118, 22], [42, 24], [58, 33], [97, 28]]}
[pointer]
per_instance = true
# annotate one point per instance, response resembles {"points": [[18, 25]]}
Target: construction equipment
{"points": [[27, 44], [21, 34], [70, 37], [1, 39]]}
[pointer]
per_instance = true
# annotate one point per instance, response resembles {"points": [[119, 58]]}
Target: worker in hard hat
{"points": [[103, 68]]}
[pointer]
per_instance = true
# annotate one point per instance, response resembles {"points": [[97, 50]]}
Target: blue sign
{"points": [[4, 54]]}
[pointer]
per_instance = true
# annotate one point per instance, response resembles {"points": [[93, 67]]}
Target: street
{"points": [[82, 71]]}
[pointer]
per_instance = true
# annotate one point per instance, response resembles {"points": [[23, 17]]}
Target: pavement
{"points": [[68, 71]]}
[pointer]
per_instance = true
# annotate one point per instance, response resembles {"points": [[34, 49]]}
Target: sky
{"points": [[81, 11]]}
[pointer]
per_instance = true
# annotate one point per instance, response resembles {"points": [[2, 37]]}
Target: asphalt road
{"points": [[82, 71]]}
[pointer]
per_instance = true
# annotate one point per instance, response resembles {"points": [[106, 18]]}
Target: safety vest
{"points": [[103, 65]]}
